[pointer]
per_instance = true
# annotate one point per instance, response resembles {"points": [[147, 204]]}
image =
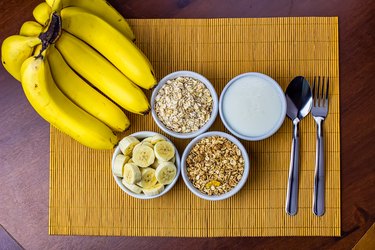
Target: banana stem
{"points": [[52, 33]]}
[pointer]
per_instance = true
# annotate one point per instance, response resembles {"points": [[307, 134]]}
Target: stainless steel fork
{"points": [[319, 111]]}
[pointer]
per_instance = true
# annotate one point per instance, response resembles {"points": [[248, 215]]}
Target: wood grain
{"points": [[24, 136], [7, 241]]}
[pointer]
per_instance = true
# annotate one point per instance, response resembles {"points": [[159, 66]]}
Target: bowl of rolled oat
{"points": [[184, 104], [215, 166]]}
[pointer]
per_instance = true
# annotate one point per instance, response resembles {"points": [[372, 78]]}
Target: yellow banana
{"points": [[102, 74], [82, 94], [51, 104], [110, 43], [15, 50], [31, 28], [42, 13], [100, 8]]}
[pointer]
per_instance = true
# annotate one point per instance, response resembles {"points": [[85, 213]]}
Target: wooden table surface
{"points": [[24, 136]]}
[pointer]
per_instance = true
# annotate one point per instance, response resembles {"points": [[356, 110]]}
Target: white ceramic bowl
{"points": [[232, 192], [140, 136], [215, 107], [280, 94]]}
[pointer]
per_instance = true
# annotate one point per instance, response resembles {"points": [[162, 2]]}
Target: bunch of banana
{"points": [[145, 166], [75, 63]]}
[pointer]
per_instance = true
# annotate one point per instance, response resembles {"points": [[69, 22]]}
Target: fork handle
{"points": [[319, 181], [291, 206]]}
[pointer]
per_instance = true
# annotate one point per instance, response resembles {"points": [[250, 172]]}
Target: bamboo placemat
{"points": [[84, 199]]}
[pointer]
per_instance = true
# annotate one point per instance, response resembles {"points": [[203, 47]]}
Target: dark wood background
{"points": [[24, 136]]}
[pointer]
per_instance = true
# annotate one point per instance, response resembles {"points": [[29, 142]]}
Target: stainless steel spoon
{"points": [[299, 101]]}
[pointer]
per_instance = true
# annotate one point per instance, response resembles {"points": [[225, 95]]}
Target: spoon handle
{"points": [[291, 206], [319, 179]]}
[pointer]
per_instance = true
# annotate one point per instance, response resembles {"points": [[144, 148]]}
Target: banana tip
{"points": [[146, 112]]}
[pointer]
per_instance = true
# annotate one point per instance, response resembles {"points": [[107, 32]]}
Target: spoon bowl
{"points": [[298, 98]]}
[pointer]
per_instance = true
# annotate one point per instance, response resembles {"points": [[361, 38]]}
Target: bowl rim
{"points": [[215, 105], [168, 187], [281, 94], [240, 184]]}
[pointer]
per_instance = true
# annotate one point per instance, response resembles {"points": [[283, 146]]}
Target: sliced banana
{"points": [[173, 159], [143, 156], [118, 165], [164, 150], [147, 139], [156, 138], [155, 190], [127, 144], [148, 144], [132, 174], [148, 178], [165, 172], [156, 163], [146, 166], [143, 143], [132, 187]]}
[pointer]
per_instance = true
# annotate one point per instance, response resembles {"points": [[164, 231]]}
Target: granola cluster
{"points": [[215, 165]]}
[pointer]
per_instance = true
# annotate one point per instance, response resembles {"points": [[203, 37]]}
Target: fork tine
{"points": [[322, 92], [318, 93], [327, 90]]}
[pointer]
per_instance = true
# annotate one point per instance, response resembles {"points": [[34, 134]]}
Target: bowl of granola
{"points": [[184, 104], [215, 166]]}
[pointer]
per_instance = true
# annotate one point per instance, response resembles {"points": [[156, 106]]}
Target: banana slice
{"points": [[143, 156], [148, 178], [155, 190], [147, 139], [164, 150], [146, 143], [132, 174], [132, 187], [165, 172], [173, 159], [156, 138], [118, 165], [155, 164], [127, 144]]}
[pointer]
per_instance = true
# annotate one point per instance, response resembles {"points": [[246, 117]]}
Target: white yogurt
{"points": [[253, 106]]}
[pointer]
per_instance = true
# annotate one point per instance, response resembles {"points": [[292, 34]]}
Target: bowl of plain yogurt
{"points": [[252, 106]]}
